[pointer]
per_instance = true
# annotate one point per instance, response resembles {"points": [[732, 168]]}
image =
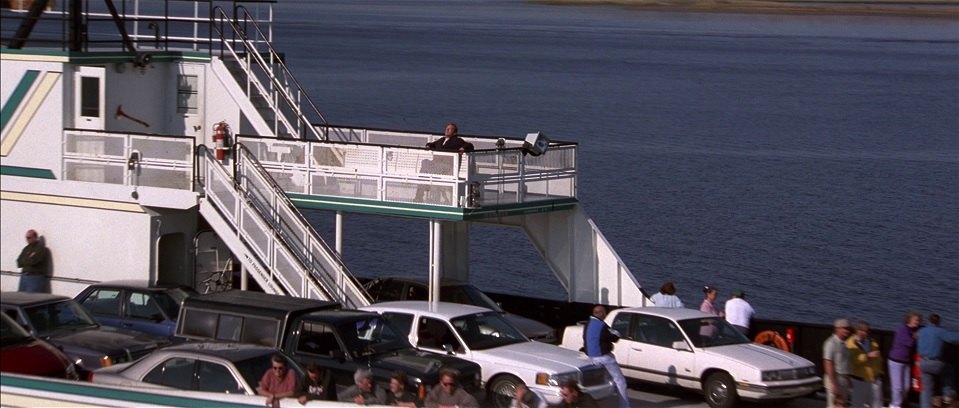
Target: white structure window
{"points": [[186, 94]]}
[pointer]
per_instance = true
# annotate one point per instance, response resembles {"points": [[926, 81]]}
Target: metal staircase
{"points": [[267, 82], [276, 245]]}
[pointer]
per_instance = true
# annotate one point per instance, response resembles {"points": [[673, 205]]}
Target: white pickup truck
{"points": [[702, 352]]}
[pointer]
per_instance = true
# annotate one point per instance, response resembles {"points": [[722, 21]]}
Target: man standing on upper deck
{"points": [[598, 339], [451, 141], [935, 370]]}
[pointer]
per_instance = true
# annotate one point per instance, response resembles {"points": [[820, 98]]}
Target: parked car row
{"points": [[61, 321], [229, 337]]}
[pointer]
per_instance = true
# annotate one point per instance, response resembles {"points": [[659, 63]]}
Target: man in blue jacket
{"points": [[598, 339], [934, 368]]}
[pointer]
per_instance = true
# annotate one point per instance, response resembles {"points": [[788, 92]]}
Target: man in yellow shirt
{"points": [[866, 364]]}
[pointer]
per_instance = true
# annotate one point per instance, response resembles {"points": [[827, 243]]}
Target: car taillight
{"points": [[90, 376], [106, 361], [421, 392]]}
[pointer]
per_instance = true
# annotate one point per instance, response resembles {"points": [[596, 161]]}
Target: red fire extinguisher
{"points": [[221, 131]]}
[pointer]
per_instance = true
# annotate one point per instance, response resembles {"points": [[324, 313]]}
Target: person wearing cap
{"points": [[935, 370], [865, 367], [739, 312], [835, 361]]}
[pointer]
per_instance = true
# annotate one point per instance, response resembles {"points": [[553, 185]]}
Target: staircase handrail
{"points": [[204, 156], [274, 55], [349, 282]]}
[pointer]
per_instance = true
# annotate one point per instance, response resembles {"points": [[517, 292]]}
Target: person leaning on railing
{"points": [[451, 142]]}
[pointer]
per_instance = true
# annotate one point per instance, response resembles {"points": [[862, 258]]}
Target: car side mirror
{"points": [[449, 349], [338, 355], [681, 346], [156, 317]]}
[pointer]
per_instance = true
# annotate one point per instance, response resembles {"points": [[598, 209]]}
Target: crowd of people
{"points": [[853, 364], [280, 382], [854, 367]]}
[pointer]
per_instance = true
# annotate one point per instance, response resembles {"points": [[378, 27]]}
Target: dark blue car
{"points": [[135, 305]]}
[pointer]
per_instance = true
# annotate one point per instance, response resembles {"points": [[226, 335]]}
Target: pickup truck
{"points": [[318, 332], [704, 353]]}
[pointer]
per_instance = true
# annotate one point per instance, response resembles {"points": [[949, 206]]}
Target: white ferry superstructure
{"points": [[110, 121]]}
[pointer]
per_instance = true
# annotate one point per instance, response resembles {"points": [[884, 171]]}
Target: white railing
{"points": [[287, 250], [304, 243], [397, 173], [128, 159]]}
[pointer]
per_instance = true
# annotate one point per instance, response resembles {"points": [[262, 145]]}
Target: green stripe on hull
{"points": [[427, 211], [17, 96], [80, 389], [27, 172]]}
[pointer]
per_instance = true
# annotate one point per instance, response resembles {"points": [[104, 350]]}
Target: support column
{"points": [[436, 259], [339, 233]]}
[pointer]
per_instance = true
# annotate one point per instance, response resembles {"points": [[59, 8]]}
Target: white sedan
{"points": [[507, 357], [695, 350]]}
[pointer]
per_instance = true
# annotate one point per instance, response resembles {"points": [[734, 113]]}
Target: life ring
{"points": [[772, 337]]}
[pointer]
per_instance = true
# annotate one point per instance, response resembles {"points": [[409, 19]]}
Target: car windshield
{"points": [[252, 369], [373, 334], [482, 331], [468, 295], [712, 331], [66, 315], [11, 332]]}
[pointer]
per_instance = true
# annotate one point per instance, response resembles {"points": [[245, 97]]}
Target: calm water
{"points": [[812, 161]]}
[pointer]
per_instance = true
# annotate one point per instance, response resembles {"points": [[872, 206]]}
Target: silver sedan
{"points": [[202, 366]]}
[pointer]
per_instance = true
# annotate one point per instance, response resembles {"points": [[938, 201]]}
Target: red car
{"points": [[22, 353]]}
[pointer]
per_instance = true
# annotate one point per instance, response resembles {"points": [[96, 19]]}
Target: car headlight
{"points": [[556, 380]]}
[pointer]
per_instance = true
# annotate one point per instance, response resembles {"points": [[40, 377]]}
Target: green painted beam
{"points": [[427, 211], [27, 172]]}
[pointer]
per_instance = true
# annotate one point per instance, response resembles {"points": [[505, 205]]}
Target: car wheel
{"points": [[720, 391], [501, 390]]}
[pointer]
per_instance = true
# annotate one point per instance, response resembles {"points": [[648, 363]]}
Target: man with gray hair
{"points": [[363, 391], [835, 359]]}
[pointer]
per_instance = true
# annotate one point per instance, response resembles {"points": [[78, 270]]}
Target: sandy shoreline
{"points": [[933, 8]]}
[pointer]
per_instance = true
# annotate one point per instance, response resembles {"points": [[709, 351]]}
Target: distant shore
{"points": [[914, 8]]}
